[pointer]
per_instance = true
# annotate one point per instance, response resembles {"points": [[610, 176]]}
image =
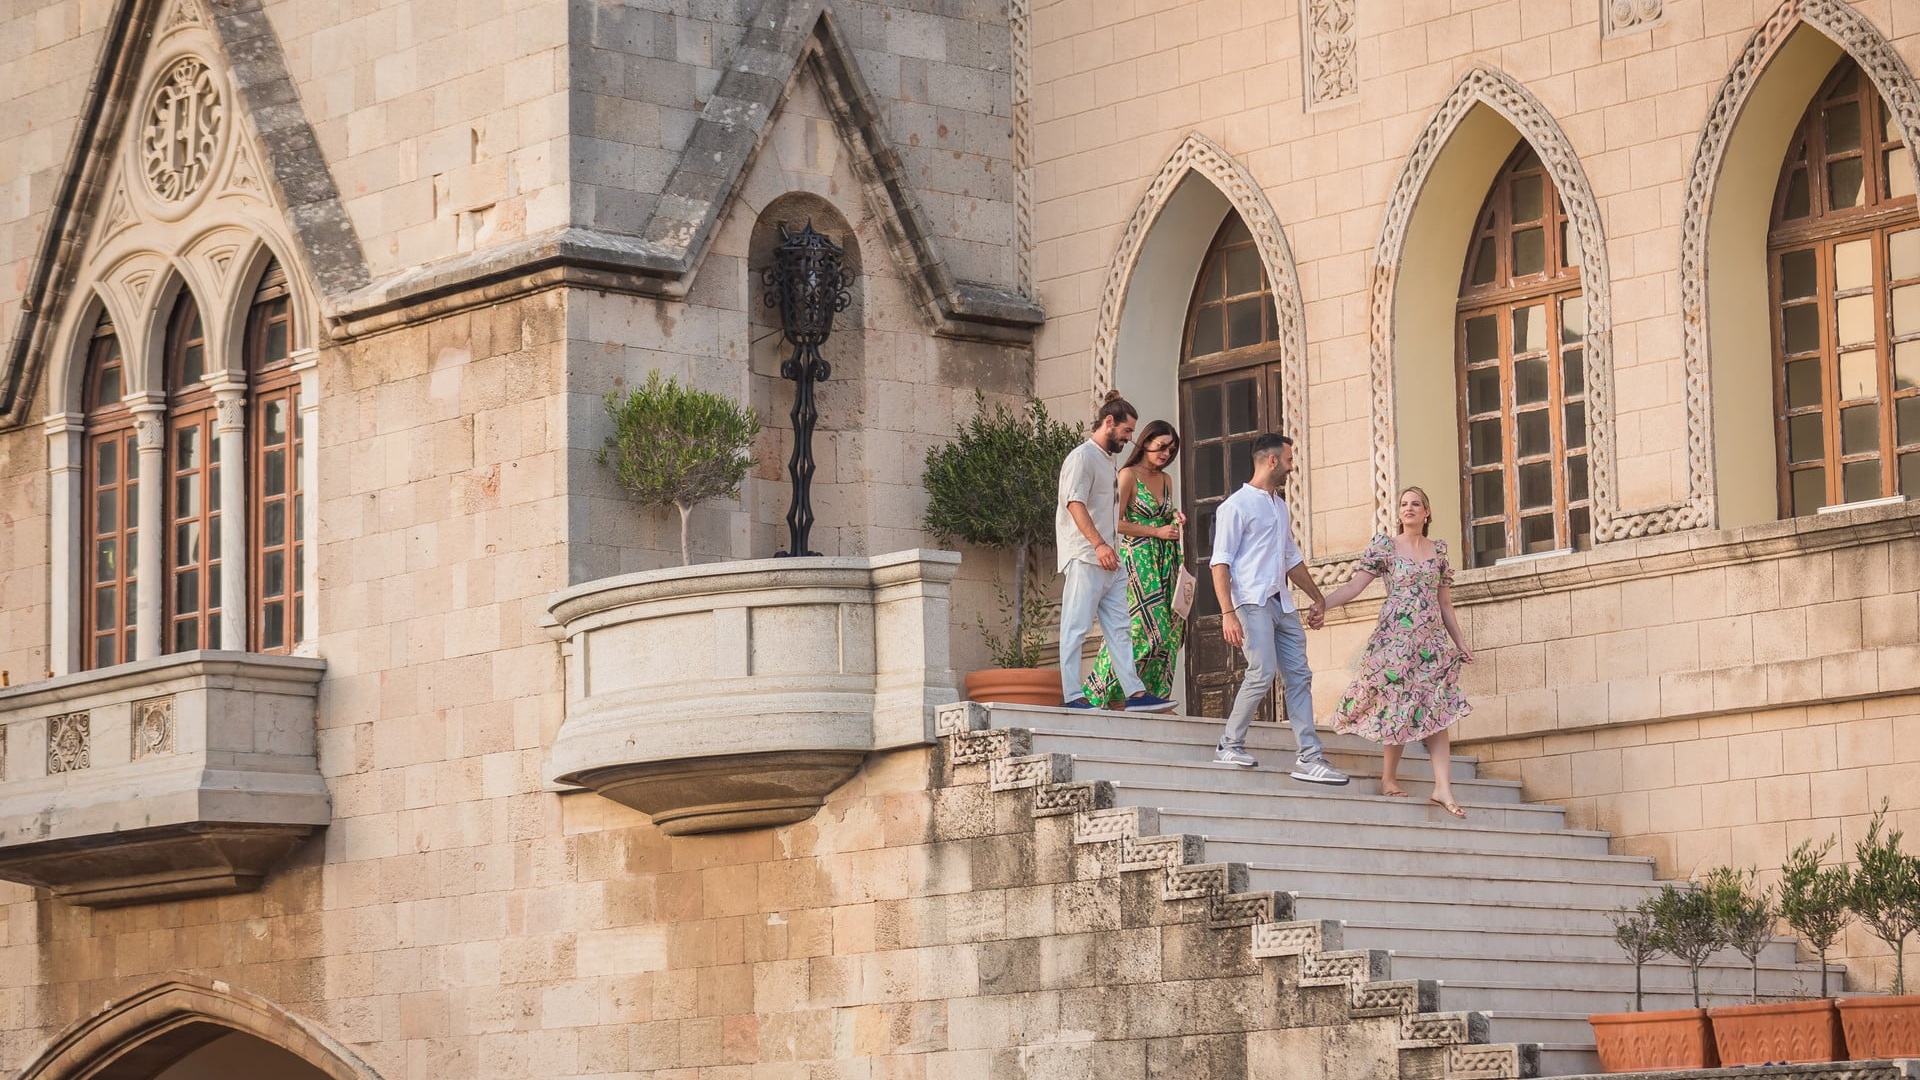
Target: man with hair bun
{"points": [[1086, 525]]}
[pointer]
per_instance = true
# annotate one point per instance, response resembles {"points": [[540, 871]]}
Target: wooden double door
{"points": [[1221, 413]]}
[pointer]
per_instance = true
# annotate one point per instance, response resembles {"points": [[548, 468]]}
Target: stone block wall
{"points": [[965, 911]]}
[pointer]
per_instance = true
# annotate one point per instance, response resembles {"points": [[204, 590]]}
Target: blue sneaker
{"points": [[1145, 702], [1078, 703]]}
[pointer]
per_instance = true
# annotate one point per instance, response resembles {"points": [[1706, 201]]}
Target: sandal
{"points": [[1449, 806], [1393, 793]]}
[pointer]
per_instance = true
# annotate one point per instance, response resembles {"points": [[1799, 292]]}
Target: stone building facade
{"points": [[331, 728]]}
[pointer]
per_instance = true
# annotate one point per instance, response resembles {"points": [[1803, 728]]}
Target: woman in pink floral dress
{"points": [[1406, 685]]}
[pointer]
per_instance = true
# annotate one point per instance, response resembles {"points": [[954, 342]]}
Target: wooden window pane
{"points": [[1799, 275], [1903, 254], [1536, 486], [1898, 169], [1806, 438], [1239, 464], [1489, 494], [1859, 430], [1529, 329], [1846, 183], [1862, 480], [1530, 385], [1907, 424], [1243, 406], [1859, 375], [1529, 198], [1578, 523], [1853, 316], [1906, 310], [1243, 323], [1243, 271], [1853, 265], [1536, 534], [1529, 252], [1574, 432], [1843, 128], [1809, 490], [1489, 543], [1906, 365], [1535, 432], [1800, 328], [1803, 384], [1207, 336], [1483, 441], [1910, 474], [1484, 262], [1799, 198], [1483, 339], [1577, 479], [1483, 390], [1573, 373], [1573, 320]]}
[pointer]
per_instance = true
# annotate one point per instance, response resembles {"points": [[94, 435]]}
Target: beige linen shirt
{"points": [[1089, 478]]}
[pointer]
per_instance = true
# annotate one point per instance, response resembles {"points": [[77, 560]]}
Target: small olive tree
{"points": [[674, 445], [994, 486], [1746, 912], [1634, 931], [1813, 899], [1687, 928], [1886, 890]]}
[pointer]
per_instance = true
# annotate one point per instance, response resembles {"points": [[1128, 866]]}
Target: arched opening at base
{"points": [[234, 1054], [1146, 362]]}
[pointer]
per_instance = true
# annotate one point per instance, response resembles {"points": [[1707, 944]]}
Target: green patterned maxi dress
{"points": [[1152, 565]]}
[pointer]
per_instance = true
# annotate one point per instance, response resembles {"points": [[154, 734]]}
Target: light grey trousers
{"points": [[1276, 645]]}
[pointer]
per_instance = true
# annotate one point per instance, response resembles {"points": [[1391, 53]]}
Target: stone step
{"points": [[1580, 942], [1335, 848], [1492, 887], [1502, 998], [1315, 803], [1184, 739], [1270, 777], [1447, 832], [1726, 976]]}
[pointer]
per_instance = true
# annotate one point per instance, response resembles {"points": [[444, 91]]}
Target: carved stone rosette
{"points": [[152, 728], [69, 743], [1328, 48]]}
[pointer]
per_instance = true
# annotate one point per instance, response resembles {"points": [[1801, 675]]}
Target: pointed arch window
{"points": [[1844, 274], [111, 508], [192, 543], [275, 448], [1519, 344]]}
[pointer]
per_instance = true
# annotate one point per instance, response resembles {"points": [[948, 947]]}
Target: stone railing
{"points": [[185, 775], [739, 695]]}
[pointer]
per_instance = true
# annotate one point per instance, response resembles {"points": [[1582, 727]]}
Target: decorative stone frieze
{"points": [[69, 743], [187, 775], [1625, 16], [739, 695], [1329, 50]]}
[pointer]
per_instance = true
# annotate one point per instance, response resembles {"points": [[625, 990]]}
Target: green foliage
{"points": [[1746, 913], [1813, 899], [1635, 933], [674, 445], [1886, 890], [995, 486], [1687, 927]]}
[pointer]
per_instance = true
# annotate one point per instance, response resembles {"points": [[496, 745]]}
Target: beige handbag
{"points": [[1183, 587]]}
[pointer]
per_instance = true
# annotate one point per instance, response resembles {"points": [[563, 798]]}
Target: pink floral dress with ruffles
{"points": [[1406, 684]]}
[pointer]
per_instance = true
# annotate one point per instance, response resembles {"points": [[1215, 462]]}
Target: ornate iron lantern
{"points": [[809, 285]]}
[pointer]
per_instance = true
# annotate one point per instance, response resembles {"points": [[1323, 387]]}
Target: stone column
{"points": [[66, 443], [306, 362], [230, 427], [149, 611]]}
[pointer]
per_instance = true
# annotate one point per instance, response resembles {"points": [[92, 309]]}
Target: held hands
{"points": [[1108, 560], [1317, 615]]}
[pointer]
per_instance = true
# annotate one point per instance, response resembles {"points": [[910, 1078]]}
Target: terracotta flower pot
{"points": [[1779, 1032], [1015, 686], [1643, 1041], [1881, 1027]]}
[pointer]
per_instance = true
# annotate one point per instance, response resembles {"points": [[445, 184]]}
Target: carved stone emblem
{"points": [[1617, 16], [152, 728], [69, 746], [183, 130]]}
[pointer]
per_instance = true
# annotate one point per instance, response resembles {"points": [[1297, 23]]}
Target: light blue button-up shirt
{"points": [[1253, 534]]}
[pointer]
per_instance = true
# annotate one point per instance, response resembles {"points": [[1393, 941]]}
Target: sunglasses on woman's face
{"points": [[1162, 447]]}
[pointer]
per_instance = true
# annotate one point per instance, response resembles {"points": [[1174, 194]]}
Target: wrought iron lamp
{"points": [[809, 283]]}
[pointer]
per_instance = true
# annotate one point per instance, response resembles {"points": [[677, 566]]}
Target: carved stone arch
{"points": [[139, 1035], [249, 264], [1201, 157], [180, 276], [1858, 38], [1494, 89], [67, 371]]}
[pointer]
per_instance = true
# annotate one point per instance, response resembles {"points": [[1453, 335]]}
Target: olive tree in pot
{"points": [[1678, 921], [678, 446], [994, 486], [1813, 899], [1780, 1031], [1885, 894]]}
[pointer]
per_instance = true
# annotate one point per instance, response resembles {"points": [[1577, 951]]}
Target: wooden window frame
{"points": [[190, 407], [1885, 217], [108, 424], [276, 621], [1225, 242], [1500, 293]]}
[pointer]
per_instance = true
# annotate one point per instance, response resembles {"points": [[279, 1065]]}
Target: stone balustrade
{"points": [[186, 775], [739, 695]]}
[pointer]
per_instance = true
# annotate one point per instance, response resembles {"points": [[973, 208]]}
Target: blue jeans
{"points": [[1276, 645], [1092, 591]]}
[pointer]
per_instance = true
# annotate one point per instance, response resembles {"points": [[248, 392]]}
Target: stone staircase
{"points": [[1507, 910]]}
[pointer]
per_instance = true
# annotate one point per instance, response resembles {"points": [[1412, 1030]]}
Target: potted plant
{"points": [[1813, 899], [1757, 1034], [1885, 894], [1680, 922], [994, 486], [674, 445]]}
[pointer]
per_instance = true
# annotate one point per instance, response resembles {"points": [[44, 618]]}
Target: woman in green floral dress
{"points": [[1406, 685], [1150, 550]]}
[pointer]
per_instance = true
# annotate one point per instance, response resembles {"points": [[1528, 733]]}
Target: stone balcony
{"points": [[185, 775], [739, 695]]}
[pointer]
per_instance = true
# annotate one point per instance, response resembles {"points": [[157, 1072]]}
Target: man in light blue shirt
{"points": [[1254, 556]]}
